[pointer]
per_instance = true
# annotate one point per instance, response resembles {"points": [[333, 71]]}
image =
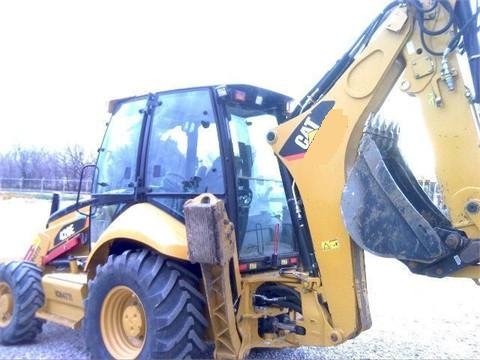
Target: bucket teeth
{"points": [[385, 134]]}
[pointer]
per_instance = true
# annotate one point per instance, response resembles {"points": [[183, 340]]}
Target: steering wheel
{"points": [[245, 197]]}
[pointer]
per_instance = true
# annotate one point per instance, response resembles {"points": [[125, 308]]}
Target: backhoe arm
{"points": [[352, 180]]}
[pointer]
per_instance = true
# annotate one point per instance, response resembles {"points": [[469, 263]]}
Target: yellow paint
{"points": [[321, 174], [320, 177], [311, 136], [330, 137], [45, 241], [123, 324], [332, 304], [315, 319], [147, 225], [64, 297], [452, 131]]}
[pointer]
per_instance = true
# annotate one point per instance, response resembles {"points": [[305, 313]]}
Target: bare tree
{"points": [[32, 163], [72, 160]]}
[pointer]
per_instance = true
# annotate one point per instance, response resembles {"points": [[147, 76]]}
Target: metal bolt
{"points": [[473, 207], [404, 85], [271, 137], [453, 241]]}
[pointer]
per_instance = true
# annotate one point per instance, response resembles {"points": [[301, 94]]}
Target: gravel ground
{"points": [[413, 317]]}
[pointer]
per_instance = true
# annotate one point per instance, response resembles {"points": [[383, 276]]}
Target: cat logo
{"points": [[298, 143], [307, 133]]}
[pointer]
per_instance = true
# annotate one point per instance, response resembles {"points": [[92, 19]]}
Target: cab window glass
{"points": [[117, 158], [263, 216], [183, 151]]}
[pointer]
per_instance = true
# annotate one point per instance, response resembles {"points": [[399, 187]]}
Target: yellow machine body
{"points": [[320, 157], [147, 226], [64, 296]]}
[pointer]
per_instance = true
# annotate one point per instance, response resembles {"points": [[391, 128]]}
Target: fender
{"points": [[147, 225]]}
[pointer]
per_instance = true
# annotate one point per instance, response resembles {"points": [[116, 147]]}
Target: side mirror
{"points": [[86, 182], [55, 203]]}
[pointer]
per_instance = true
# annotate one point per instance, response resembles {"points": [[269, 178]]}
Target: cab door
{"points": [[183, 154], [115, 183]]}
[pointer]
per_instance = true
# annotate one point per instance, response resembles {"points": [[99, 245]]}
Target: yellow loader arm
{"points": [[357, 191]]}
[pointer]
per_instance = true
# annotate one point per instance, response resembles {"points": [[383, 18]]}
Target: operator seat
{"points": [[212, 182]]}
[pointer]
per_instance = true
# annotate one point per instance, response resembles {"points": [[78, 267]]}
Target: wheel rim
{"points": [[6, 304], [122, 323]]}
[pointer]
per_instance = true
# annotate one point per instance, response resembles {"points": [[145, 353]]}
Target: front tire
{"points": [[21, 295], [141, 305]]}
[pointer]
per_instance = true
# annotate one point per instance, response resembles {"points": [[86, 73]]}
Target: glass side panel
{"points": [[117, 158], [264, 223], [101, 217], [183, 152]]}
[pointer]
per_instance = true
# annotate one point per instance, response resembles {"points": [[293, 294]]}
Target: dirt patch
{"points": [[19, 195], [5, 196]]}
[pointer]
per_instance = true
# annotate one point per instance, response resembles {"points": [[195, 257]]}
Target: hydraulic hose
{"points": [[469, 31], [331, 76]]}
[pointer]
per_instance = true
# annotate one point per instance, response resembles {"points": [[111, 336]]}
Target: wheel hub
{"points": [[132, 323], [122, 323], [6, 304]]}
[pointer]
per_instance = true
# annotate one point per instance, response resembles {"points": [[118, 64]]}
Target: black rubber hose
{"points": [[448, 8], [290, 305], [417, 5], [279, 291], [469, 31], [331, 77]]}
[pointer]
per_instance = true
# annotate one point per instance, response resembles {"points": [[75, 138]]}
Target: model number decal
{"points": [[69, 230], [63, 295], [66, 232]]}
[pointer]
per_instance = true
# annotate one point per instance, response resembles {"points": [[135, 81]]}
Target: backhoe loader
{"points": [[222, 214]]}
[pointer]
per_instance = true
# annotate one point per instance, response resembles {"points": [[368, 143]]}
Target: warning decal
{"points": [[330, 245]]}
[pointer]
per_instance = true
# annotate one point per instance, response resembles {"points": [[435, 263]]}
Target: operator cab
{"points": [[168, 147]]}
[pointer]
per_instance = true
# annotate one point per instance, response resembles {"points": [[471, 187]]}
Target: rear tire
{"points": [[141, 305], [21, 295]]}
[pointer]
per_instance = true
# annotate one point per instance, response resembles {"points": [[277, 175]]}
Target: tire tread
{"points": [[178, 323], [24, 278]]}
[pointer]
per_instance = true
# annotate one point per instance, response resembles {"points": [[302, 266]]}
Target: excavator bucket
{"points": [[387, 213]]}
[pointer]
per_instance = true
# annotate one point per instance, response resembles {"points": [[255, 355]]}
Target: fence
{"points": [[44, 185], [431, 188]]}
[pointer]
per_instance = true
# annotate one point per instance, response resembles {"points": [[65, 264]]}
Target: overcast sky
{"points": [[62, 61]]}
